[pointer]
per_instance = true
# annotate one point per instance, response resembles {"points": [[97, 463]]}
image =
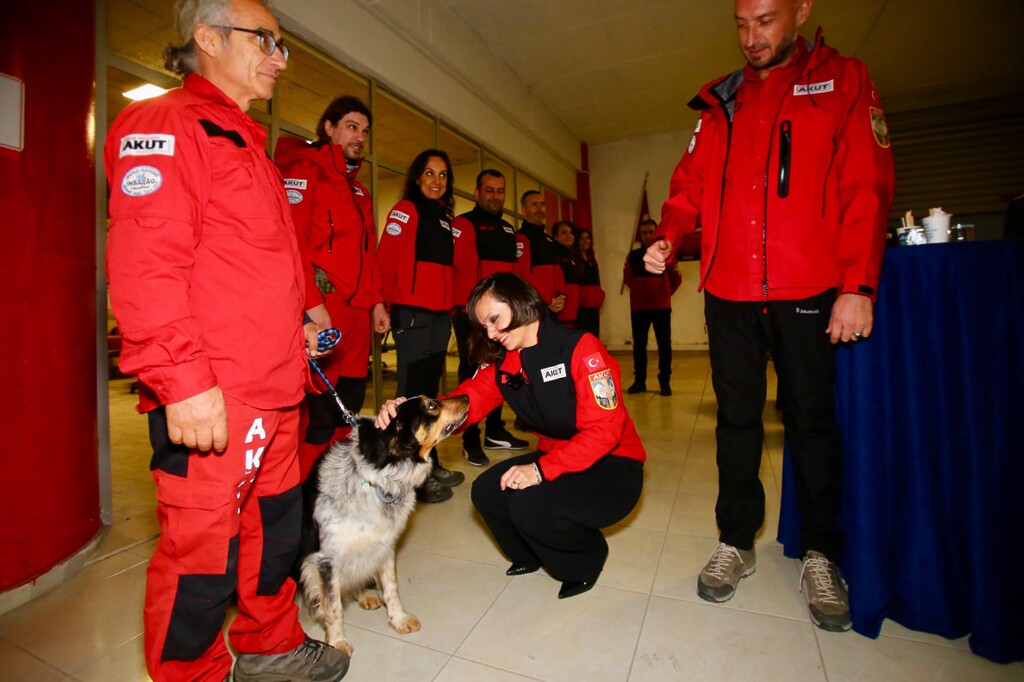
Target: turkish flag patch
{"points": [[594, 362]]}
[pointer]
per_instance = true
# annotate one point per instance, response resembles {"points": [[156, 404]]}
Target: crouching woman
{"points": [[547, 508]]}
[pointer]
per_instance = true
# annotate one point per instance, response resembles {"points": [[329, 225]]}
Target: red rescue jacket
{"points": [[539, 263], [333, 216], [591, 293], [416, 255], [819, 137], [648, 291], [484, 244], [204, 268]]}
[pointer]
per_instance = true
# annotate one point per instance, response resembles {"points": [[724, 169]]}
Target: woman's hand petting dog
{"points": [[388, 411], [520, 476]]}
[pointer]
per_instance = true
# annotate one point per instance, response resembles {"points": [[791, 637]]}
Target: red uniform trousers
{"points": [[229, 525], [346, 367]]}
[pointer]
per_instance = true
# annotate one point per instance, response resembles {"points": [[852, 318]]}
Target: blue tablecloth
{"points": [[932, 413]]}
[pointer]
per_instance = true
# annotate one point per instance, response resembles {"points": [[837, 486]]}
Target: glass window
{"points": [[399, 132], [139, 30], [389, 192], [524, 183], [465, 157], [309, 84], [463, 205]]}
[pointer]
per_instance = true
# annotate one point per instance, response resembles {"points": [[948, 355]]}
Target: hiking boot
{"points": [[311, 661], [825, 591], [722, 573], [637, 387], [666, 389], [432, 491], [446, 477], [501, 439], [474, 454]]}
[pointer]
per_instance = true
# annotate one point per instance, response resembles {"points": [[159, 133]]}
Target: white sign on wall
{"points": [[12, 112]]}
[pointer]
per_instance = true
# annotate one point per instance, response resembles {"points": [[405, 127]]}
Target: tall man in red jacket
{"points": [[539, 262], [790, 173], [485, 243], [206, 285], [650, 305], [333, 216]]}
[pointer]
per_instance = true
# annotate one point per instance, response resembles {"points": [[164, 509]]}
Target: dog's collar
{"points": [[386, 498]]}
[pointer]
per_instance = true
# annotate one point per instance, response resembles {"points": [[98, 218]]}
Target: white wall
{"points": [[616, 180]]}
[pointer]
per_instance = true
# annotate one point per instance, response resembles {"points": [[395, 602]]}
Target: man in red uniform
{"points": [[485, 243], [650, 304], [333, 216], [539, 263], [790, 173], [206, 285]]}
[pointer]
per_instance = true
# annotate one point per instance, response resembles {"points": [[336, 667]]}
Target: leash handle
{"points": [[325, 340]]}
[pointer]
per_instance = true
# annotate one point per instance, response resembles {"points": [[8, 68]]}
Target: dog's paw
{"points": [[343, 645], [370, 600], [406, 624]]}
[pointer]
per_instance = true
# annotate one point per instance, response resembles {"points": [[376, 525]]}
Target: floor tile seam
{"points": [[736, 609], [517, 673], [938, 645], [86, 664], [483, 614], [36, 657], [120, 550], [449, 556], [640, 632]]}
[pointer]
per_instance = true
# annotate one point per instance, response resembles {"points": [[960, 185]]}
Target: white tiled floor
{"points": [[643, 622]]}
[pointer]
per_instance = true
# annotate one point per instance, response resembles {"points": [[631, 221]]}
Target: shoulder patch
{"points": [[594, 361], [879, 128], [145, 145], [456, 232], [294, 183], [445, 225], [508, 228], [519, 250], [141, 180], [358, 191], [554, 372], [602, 385], [294, 196], [394, 229], [399, 216]]}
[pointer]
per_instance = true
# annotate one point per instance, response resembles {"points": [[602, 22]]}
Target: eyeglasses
{"points": [[268, 43]]}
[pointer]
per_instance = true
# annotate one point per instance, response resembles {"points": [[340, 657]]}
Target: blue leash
{"points": [[325, 340]]}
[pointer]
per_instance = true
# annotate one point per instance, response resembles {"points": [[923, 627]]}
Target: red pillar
{"points": [[581, 207], [49, 488]]}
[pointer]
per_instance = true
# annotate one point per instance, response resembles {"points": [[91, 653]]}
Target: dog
{"points": [[364, 489]]}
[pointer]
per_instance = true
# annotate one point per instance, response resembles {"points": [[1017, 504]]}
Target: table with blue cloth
{"points": [[931, 408]]}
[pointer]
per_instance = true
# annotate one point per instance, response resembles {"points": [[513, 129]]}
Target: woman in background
{"points": [[588, 315], [415, 261], [564, 233]]}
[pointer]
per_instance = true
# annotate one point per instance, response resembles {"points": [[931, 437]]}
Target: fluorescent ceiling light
{"points": [[144, 92]]}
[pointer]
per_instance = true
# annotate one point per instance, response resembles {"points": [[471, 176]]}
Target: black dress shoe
{"points": [[571, 589], [519, 568], [636, 387]]}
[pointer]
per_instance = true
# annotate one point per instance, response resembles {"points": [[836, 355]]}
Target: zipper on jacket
{"points": [[721, 195], [828, 171], [785, 130], [330, 241], [366, 245]]}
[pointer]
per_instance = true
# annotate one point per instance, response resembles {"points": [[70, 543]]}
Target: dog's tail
{"points": [[316, 580]]}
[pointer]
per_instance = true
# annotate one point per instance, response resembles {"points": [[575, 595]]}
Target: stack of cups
{"points": [[936, 226]]}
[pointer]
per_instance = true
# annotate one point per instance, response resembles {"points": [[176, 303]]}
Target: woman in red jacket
{"points": [[415, 261], [547, 508], [564, 233], [588, 316]]}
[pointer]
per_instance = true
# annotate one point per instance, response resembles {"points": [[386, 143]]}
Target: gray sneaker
{"points": [[311, 661], [825, 591], [722, 573]]}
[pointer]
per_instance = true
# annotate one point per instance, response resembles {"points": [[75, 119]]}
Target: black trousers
{"points": [[324, 413], [589, 320], [642, 321], [740, 336], [557, 523], [421, 342], [463, 328]]}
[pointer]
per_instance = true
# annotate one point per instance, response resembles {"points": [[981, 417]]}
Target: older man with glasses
{"points": [[206, 284]]}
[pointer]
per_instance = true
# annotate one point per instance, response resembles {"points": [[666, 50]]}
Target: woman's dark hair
{"points": [[558, 226], [577, 249], [526, 304], [419, 164], [336, 110]]}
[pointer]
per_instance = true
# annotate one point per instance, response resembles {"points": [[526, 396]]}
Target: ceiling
{"points": [[613, 70]]}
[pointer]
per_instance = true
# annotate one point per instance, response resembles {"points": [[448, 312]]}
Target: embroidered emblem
{"points": [[144, 145], [358, 192], [399, 216], [294, 196], [814, 88], [693, 143], [456, 232], [294, 183], [141, 180], [394, 229], [603, 386], [879, 128], [445, 225], [594, 362]]}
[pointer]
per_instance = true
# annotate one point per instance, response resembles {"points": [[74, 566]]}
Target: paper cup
{"points": [[936, 228], [910, 236]]}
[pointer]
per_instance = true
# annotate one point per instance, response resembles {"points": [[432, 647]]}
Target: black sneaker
{"points": [[446, 477], [432, 492], [637, 388], [311, 661], [474, 454], [503, 440]]}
